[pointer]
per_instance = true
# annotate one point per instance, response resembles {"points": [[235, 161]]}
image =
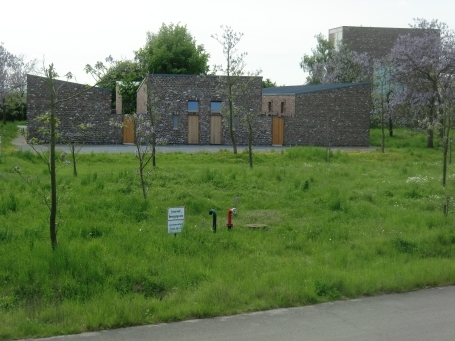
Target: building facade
{"points": [[86, 118], [191, 109], [376, 41], [319, 115]]}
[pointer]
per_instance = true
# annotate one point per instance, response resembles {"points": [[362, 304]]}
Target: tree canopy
{"points": [[267, 83], [13, 78], [335, 64], [128, 74], [321, 54], [173, 50]]}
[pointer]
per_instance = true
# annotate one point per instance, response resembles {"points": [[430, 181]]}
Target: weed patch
{"points": [[349, 225]]}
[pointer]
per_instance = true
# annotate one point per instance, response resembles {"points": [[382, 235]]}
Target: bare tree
{"points": [[234, 68], [248, 113], [156, 105], [236, 86], [50, 123]]}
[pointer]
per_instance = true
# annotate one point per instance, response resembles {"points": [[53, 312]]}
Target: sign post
{"points": [[175, 219]]}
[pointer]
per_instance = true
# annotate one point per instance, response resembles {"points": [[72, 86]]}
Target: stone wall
{"points": [[340, 117], [174, 91], [91, 108]]}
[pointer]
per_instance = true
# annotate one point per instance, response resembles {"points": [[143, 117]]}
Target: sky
{"points": [[276, 34]]}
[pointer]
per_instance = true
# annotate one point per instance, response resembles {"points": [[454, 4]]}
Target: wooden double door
{"points": [[215, 129]]}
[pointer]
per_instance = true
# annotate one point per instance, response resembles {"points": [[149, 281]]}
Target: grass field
{"points": [[364, 223]]}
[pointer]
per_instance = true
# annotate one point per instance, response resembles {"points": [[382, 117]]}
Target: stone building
{"points": [[190, 108], [91, 108], [190, 112], [319, 115]]}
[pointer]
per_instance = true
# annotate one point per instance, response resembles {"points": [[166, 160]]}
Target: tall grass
{"points": [[361, 224]]}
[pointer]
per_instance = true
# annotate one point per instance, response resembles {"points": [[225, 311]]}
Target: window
{"points": [[336, 37], [175, 123], [215, 107], [270, 106], [282, 107], [193, 106]]}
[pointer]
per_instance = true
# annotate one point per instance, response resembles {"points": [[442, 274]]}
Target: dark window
{"points": [[282, 107], [215, 107], [270, 106], [175, 122], [193, 106]]}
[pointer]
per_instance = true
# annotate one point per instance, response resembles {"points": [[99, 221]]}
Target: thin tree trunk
{"points": [[231, 104], [231, 118], [445, 148], [144, 190], [4, 111], [430, 138], [53, 211], [141, 166], [390, 127], [250, 144], [73, 157], [153, 149], [444, 163], [382, 128]]}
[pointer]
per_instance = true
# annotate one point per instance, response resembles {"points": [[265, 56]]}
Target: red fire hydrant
{"points": [[230, 212]]}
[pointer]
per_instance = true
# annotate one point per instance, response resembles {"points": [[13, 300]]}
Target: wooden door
{"points": [[193, 129], [215, 129], [277, 131], [128, 129]]}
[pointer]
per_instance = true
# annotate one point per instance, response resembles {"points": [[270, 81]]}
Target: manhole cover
{"points": [[257, 226]]}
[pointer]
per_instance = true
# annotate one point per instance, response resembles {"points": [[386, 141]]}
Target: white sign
{"points": [[175, 219]]}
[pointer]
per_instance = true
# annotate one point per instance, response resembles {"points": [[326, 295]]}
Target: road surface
{"points": [[420, 315]]}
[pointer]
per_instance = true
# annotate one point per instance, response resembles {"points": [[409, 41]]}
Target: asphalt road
{"points": [[21, 144], [421, 315]]}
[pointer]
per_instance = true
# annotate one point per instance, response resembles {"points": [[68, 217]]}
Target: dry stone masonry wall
{"points": [[92, 108]]}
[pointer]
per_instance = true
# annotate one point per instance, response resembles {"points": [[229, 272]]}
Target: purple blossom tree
{"points": [[424, 64], [347, 66], [13, 77]]}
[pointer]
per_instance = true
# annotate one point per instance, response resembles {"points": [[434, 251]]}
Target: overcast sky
{"points": [[276, 33]]}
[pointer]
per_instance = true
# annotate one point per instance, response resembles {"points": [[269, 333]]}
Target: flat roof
{"points": [[304, 89]]}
